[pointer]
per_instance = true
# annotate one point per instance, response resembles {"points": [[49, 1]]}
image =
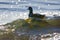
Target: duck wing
{"points": [[38, 16]]}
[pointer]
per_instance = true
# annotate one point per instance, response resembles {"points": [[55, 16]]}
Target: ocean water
{"points": [[11, 10]]}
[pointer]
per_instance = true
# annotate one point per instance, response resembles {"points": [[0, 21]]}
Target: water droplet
{"points": [[12, 1], [16, 2], [19, 0], [48, 4], [11, 6]]}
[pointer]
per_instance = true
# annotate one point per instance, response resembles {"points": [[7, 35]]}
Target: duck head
{"points": [[29, 8]]}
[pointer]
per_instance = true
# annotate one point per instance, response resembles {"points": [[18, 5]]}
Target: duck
{"points": [[34, 15]]}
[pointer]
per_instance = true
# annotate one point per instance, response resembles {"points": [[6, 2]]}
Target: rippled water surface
{"points": [[11, 10], [14, 9]]}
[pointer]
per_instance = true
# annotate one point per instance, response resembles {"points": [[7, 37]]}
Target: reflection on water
{"points": [[24, 33], [12, 36]]}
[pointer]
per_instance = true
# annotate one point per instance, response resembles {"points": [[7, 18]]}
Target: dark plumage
{"points": [[34, 15]]}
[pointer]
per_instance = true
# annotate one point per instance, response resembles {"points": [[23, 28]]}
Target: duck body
{"points": [[32, 15], [38, 16]]}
